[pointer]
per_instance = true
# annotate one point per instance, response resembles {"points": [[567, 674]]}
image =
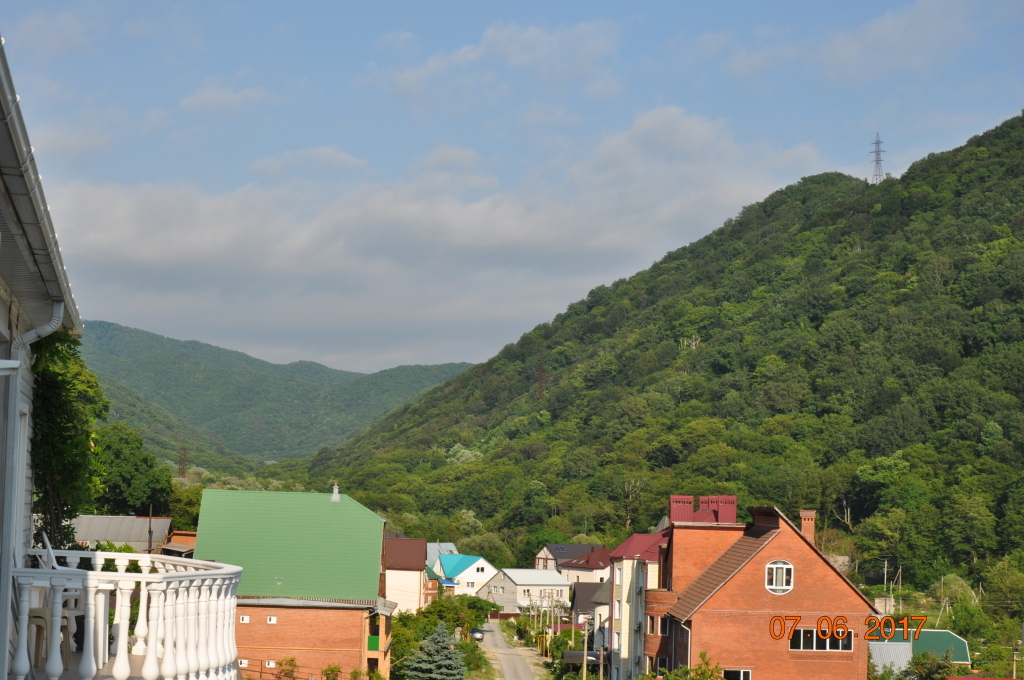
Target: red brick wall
{"points": [[658, 602], [316, 638], [732, 626], [693, 549]]}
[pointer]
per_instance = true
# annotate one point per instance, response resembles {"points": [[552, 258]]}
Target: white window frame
{"points": [[271, 664], [271, 619], [744, 673], [775, 571], [243, 663], [663, 625], [244, 618]]}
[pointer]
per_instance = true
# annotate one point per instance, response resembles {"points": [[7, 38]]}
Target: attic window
{"points": [[559, 548], [778, 577]]}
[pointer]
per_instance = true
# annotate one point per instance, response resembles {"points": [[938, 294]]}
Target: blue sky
{"points": [[372, 184]]}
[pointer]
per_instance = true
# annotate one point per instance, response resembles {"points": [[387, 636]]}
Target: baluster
{"points": [[21, 664], [218, 641], [122, 668], [150, 667], [87, 668], [180, 631], [102, 618], [142, 623], [204, 629], [232, 619], [192, 619], [159, 621], [54, 662], [168, 668]]}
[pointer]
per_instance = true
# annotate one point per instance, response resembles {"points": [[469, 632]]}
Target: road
{"points": [[514, 665]]}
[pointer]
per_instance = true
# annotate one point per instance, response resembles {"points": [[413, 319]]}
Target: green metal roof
{"points": [[934, 640], [298, 545]]}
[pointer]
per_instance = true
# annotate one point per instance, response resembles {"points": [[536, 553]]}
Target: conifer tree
{"points": [[437, 659]]}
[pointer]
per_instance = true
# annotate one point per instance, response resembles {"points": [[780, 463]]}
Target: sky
{"points": [[373, 184]]}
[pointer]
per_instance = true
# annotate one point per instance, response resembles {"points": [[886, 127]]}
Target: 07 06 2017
{"points": [[878, 628]]}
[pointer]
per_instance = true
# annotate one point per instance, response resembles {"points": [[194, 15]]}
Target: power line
{"points": [[878, 175]]}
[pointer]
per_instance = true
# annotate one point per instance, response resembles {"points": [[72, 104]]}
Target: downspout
{"points": [[13, 472]]}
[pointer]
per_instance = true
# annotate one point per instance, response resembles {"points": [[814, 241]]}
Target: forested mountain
{"points": [[853, 348], [224, 403]]}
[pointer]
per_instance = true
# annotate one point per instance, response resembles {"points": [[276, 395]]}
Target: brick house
{"points": [[721, 587], [313, 585]]}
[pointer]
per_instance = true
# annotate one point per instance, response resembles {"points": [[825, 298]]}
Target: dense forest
{"points": [[852, 348], [233, 411]]}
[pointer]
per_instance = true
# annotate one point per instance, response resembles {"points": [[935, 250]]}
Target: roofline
{"points": [[10, 109], [813, 547]]}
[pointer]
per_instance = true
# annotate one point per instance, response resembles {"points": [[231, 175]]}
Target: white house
{"points": [[470, 572], [405, 576], [517, 590], [41, 596]]}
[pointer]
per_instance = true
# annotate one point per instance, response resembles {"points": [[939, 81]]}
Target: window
{"points": [[479, 570], [244, 618], [470, 584], [577, 578], [243, 663], [502, 590], [663, 626], [650, 665], [271, 664], [618, 640], [736, 675], [559, 548], [618, 609], [778, 577], [618, 574], [662, 663], [560, 593], [601, 580], [808, 639], [271, 619], [650, 625], [526, 591]]}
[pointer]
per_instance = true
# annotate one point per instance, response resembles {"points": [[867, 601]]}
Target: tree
{"points": [[66, 401], [132, 479], [437, 659], [927, 666], [185, 502]]}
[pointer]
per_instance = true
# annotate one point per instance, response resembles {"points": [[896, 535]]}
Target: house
{"points": [[594, 567], [132, 531], [587, 605], [898, 651], [405, 578], [39, 589], [518, 590], [553, 554], [435, 550], [469, 572], [636, 565], [314, 581], [721, 583]]}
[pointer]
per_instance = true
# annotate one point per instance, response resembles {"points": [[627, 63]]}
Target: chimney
{"points": [[335, 496], [727, 509], [680, 508], [807, 524]]}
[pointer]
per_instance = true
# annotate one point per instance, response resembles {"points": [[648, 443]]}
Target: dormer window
{"points": [[778, 577]]}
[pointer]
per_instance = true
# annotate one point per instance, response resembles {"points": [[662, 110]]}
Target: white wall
{"points": [[479, 573], [405, 588]]}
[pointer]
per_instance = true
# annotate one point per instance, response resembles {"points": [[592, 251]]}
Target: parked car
{"points": [[477, 633]]}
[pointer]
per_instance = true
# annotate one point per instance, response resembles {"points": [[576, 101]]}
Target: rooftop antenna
{"points": [[878, 175]]}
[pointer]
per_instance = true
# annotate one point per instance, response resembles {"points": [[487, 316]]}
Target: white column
{"points": [[102, 616], [192, 628], [168, 667], [87, 668], [204, 629], [159, 621], [54, 662], [221, 623], [231, 619], [180, 631], [142, 624], [21, 664], [150, 667], [122, 669]]}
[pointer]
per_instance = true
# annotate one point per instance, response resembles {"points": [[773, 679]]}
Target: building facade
{"points": [[406, 582], [468, 573], [519, 590], [553, 554]]}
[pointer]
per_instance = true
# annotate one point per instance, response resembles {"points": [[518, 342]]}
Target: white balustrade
{"points": [[185, 624]]}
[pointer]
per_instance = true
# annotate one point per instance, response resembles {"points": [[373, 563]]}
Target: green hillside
{"points": [[227, 401], [851, 348]]}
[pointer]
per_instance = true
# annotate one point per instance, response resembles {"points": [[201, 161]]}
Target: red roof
{"points": [[405, 554], [641, 546], [597, 559]]}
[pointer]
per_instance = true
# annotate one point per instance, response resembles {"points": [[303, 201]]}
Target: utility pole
{"points": [[877, 176], [584, 674], [150, 551]]}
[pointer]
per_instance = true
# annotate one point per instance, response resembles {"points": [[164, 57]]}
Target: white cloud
{"points": [[321, 159], [368, 275], [73, 142], [397, 40], [574, 55], [47, 35], [216, 99]]}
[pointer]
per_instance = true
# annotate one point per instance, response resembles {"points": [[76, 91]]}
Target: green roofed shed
{"points": [[293, 545], [939, 641]]}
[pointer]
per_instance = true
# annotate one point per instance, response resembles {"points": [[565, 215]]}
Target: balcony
{"points": [[185, 626]]}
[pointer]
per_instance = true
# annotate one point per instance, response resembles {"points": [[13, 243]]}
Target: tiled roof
{"points": [[641, 546], [405, 554], [570, 551], [721, 570], [597, 559], [297, 545]]}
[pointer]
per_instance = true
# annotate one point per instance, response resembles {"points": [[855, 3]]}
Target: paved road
{"points": [[513, 665]]}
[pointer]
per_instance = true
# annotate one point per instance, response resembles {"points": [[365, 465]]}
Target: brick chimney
{"points": [[807, 524]]}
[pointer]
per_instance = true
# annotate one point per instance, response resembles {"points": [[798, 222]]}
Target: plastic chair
{"points": [[40, 617]]}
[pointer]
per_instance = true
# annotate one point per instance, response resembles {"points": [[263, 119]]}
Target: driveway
{"points": [[512, 663]]}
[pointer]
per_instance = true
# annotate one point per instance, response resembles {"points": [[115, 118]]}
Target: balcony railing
{"points": [[185, 628]]}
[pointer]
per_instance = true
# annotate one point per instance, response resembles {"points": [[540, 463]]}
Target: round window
{"points": [[778, 577]]}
